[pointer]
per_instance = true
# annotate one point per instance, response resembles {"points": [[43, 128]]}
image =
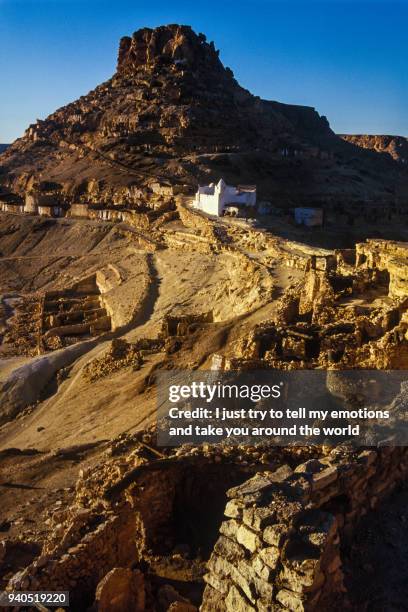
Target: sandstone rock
{"points": [[260, 482], [262, 570], [258, 518], [229, 528], [234, 508], [220, 566], [324, 478], [235, 602], [121, 589], [275, 534], [265, 590], [270, 556], [290, 601], [219, 583], [310, 579], [229, 549], [281, 473], [248, 538]]}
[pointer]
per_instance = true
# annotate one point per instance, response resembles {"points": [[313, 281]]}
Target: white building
{"points": [[213, 198], [48, 210], [311, 217], [31, 203]]}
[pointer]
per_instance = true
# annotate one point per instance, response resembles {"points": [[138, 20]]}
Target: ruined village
{"points": [[170, 220]]}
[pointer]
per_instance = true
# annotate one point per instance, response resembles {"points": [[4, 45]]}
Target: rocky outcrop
{"points": [[394, 146], [390, 257], [171, 116]]}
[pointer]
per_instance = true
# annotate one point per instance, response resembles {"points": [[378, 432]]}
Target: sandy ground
{"points": [[155, 284]]}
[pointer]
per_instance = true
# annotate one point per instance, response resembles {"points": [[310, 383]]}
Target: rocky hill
{"points": [[172, 112], [395, 146]]}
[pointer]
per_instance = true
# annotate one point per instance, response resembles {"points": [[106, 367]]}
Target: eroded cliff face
{"points": [[394, 146], [170, 95]]}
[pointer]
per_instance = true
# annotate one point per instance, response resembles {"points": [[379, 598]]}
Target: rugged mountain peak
{"points": [[173, 43], [173, 113]]}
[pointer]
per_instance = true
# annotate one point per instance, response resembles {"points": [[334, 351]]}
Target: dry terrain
{"points": [[109, 277]]}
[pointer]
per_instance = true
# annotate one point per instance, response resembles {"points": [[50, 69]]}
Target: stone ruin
{"points": [[214, 527], [72, 314], [122, 354], [280, 543], [174, 327], [386, 256], [349, 311]]}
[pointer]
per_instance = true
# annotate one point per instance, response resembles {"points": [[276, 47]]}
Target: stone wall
{"points": [[390, 256], [187, 241], [106, 542], [194, 219], [279, 545]]}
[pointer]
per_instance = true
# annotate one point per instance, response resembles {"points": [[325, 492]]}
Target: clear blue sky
{"points": [[346, 58]]}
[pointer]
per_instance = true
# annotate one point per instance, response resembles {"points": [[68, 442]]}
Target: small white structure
{"points": [[212, 199], [31, 203], [311, 217], [11, 202], [13, 207], [48, 210]]}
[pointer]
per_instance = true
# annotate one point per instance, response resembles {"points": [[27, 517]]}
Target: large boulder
{"points": [[121, 589]]}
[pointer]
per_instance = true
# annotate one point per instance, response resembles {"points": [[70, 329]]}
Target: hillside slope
{"points": [[172, 112]]}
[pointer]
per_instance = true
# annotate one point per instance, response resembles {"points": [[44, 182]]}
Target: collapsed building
{"points": [[350, 311], [72, 314], [154, 529]]}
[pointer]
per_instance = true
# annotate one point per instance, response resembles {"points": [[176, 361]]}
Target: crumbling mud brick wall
{"points": [[189, 242], [279, 545]]}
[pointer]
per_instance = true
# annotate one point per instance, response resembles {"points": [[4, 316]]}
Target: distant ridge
{"points": [[395, 146]]}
